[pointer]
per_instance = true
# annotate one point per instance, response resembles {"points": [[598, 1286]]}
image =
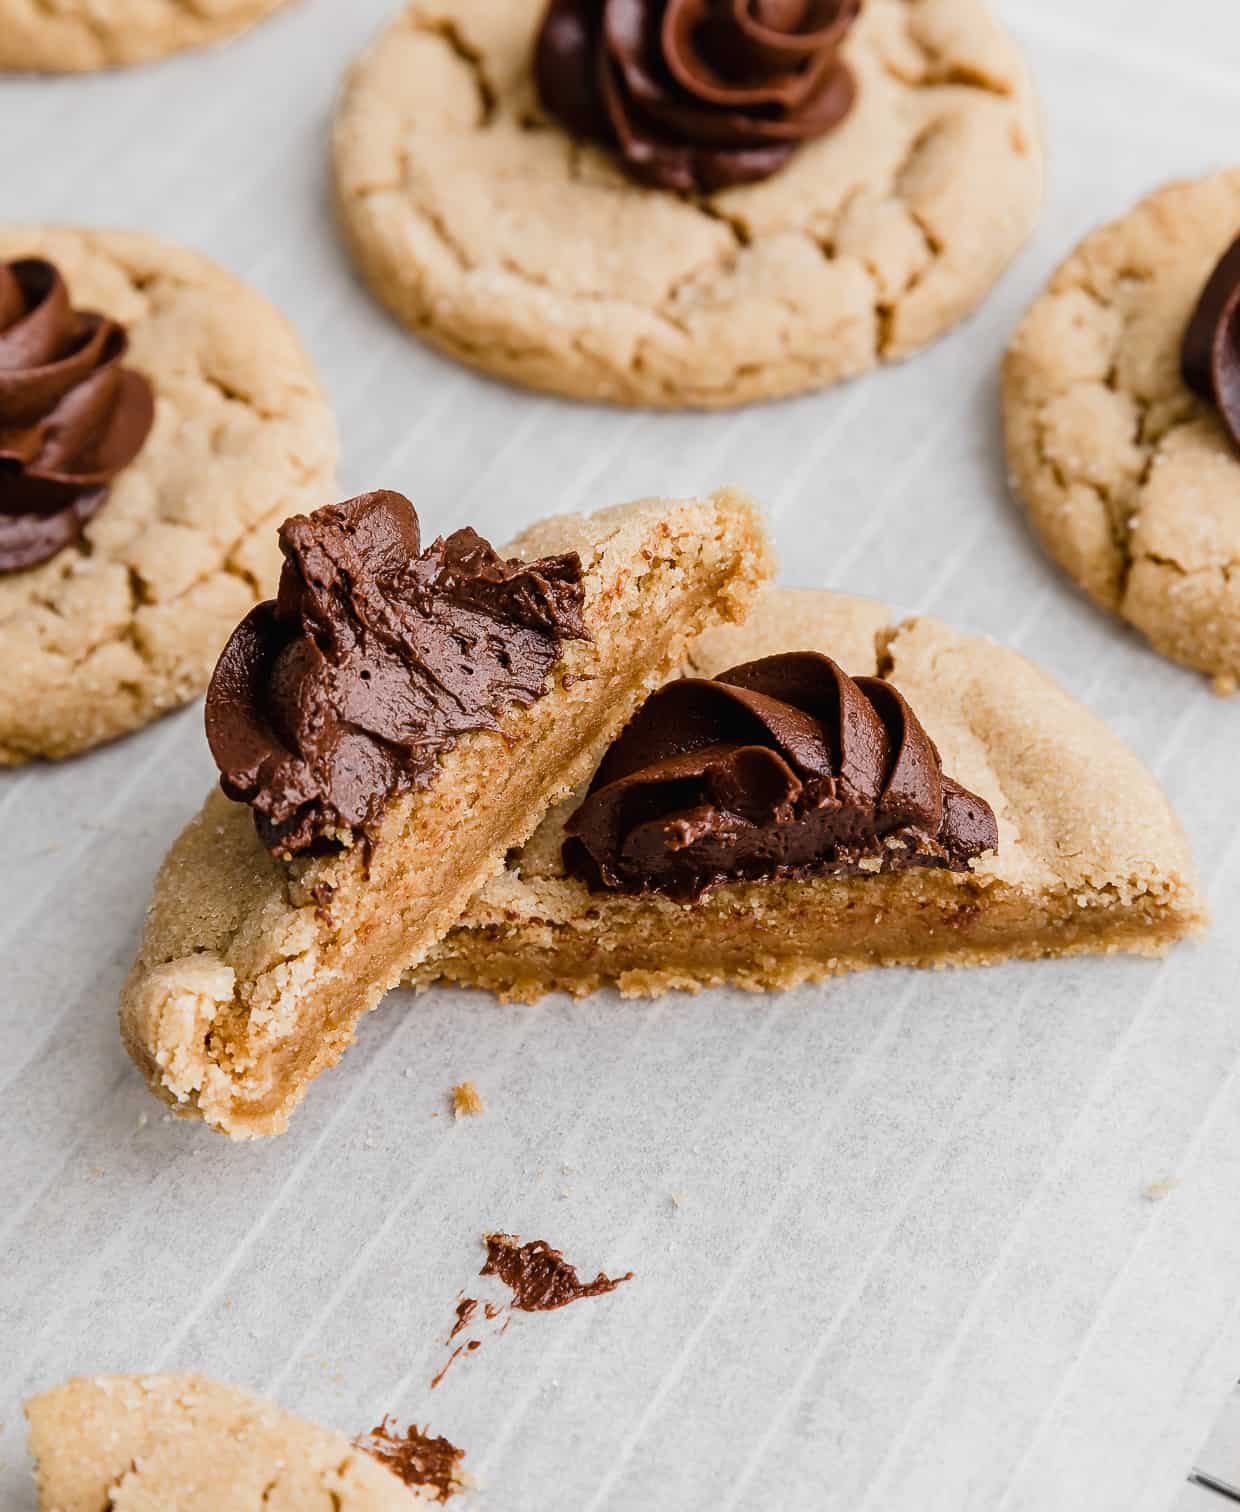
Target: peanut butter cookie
{"points": [[1050, 837], [1116, 441], [672, 237], [387, 730], [80, 36], [183, 1443], [157, 420]]}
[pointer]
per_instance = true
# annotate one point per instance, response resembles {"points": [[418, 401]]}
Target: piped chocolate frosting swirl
{"points": [[696, 95], [374, 659], [784, 767], [1210, 356], [71, 416]]}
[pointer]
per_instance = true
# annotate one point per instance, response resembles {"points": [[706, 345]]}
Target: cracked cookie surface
{"points": [[80, 36], [1129, 479], [507, 244], [115, 631], [184, 1443]]}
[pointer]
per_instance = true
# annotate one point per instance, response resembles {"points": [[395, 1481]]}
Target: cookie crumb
{"points": [[1157, 1190], [679, 1199], [466, 1102], [1224, 685]]}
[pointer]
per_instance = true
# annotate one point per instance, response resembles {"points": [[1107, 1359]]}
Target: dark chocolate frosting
{"points": [[539, 1277], [696, 95], [785, 767], [373, 660], [1210, 357], [70, 415], [420, 1459]]}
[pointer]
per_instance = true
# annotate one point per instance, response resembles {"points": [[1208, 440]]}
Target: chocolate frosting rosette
{"points": [[375, 657], [697, 95], [1210, 356], [71, 416], [784, 767]]}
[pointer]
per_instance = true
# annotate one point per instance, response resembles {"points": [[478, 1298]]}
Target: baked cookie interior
{"points": [[255, 970], [1090, 857]]}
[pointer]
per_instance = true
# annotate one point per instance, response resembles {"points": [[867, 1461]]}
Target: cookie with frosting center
{"points": [[81, 36], [387, 730], [1121, 409], [981, 815], [660, 202], [779, 768], [157, 419]]}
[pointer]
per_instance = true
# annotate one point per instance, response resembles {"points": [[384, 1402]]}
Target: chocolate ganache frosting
{"points": [[373, 660], [696, 95], [70, 415], [784, 767], [1210, 357]]}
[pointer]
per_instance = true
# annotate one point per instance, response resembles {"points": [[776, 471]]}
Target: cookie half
{"points": [[161, 1442], [1130, 478], [254, 971], [530, 254], [1090, 857], [126, 620], [81, 36]]}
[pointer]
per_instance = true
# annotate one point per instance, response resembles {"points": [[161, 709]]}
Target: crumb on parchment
{"points": [[466, 1100], [1157, 1190]]}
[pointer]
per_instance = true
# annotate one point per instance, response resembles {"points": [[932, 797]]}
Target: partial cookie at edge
{"points": [[76, 38], [161, 1441], [1128, 478], [103, 638]]}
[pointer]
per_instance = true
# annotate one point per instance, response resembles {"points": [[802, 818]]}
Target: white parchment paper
{"points": [[912, 1265]]}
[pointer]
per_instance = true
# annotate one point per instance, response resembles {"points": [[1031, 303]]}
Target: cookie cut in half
{"points": [[1121, 407], [656, 202], [767, 829], [388, 729], [158, 419], [183, 1443]]}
